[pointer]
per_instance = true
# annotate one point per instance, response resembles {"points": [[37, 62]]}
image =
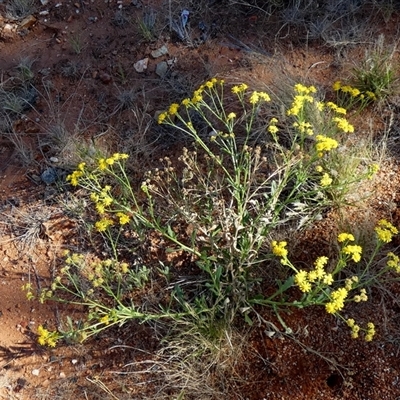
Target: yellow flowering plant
{"points": [[351, 98], [324, 285], [103, 288], [372, 79], [249, 172]]}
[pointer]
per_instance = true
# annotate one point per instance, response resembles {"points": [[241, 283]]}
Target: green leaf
{"points": [[286, 285], [248, 319]]}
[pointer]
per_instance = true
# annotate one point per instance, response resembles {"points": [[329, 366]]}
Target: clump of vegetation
{"points": [[76, 43], [147, 25], [251, 175], [373, 80], [19, 9]]}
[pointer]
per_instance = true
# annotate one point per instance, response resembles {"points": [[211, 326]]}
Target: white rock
{"points": [[141, 65], [35, 372]]}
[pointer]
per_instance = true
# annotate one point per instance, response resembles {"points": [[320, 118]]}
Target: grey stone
{"points": [[162, 69], [49, 176], [160, 52]]}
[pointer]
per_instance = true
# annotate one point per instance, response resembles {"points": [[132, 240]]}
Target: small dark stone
{"points": [[105, 78], [49, 176]]}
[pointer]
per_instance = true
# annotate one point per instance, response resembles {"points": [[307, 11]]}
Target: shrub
{"points": [[249, 176]]}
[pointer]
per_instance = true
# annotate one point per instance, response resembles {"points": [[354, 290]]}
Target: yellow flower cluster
{"points": [[73, 259], [279, 249], [354, 251], [173, 109], [344, 237], [370, 332], [301, 89], [344, 125], [372, 170], [326, 180], [303, 96], [78, 173], [104, 163], [239, 88], [361, 297], [47, 338], [385, 231], [304, 279], [298, 104], [304, 127], [352, 91], [336, 108], [272, 128], [325, 143], [103, 224], [256, 97], [29, 291], [123, 218], [102, 199], [105, 270], [197, 97], [337, 297], [162, 116], [393, 262], [351, 282], [355, 329]]}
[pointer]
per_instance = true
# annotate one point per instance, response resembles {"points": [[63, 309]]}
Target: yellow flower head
{"points": [[344, 125], [336, 86], [239, 88], [385, 231], [328, 279], [301, 279], [273, 129], [343, 237], [325, 143], [393, 262], [102, 164], [279, 249], [46, 337], [326, 180], [74, 177], [173, 109], [354, 251], [371, 95], [186, 102], [254, 98], [123, 218], [370, 332], [103, 224], [350, 322], [337, 301], [299, 88], [320, 262], [162, 117]]}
